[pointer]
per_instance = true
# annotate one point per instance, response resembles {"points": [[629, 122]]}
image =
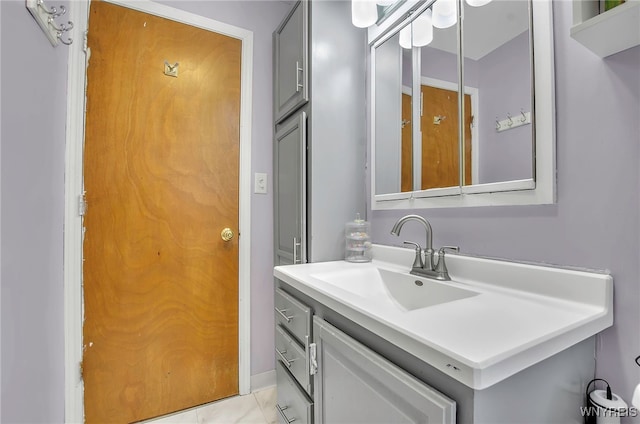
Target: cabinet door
{"points": [[290, 184], [353, 384], [291, 62]]}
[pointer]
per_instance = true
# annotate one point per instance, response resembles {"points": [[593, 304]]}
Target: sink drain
{"points": [[418, 283]]}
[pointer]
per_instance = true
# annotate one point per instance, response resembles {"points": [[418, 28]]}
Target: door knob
{"points": [[226, 234]]}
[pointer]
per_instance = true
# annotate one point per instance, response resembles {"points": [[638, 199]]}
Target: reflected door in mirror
{"points": [[440, 147]]}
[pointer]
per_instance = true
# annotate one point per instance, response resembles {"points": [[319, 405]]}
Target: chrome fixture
{"points": [[425, 268], [428, 250], [442, 273]]}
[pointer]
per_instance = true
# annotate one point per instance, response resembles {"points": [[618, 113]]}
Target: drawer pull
{"points": [[283, 415], [298, 70], [284, 359], [282, 313]]}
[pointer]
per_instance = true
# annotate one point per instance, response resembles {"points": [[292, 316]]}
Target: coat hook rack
{"points": [[46, 17], [511, 122]]}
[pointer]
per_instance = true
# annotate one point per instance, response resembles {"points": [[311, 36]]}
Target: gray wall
{"points": [[596, 221], [33, 118], [33, 90]]}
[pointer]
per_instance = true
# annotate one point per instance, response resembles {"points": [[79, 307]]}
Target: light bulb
{"points": [[364, 13], [405, 37], [477, 3], [423, 29], [444, 13], [636, 397]]}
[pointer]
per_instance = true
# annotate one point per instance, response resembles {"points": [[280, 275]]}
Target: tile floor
{"points": [[255, 408]]}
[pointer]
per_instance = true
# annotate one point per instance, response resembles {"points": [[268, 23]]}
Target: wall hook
{"points": [[46, 19], [509, 120], [523, 118], [171, 70]]}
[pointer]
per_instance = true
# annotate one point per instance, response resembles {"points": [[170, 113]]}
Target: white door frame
{"points": [[74, 188]]}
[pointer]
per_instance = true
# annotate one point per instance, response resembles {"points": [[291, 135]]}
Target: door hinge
{"points": [[85, 41], [313, 359], [82, 205]]}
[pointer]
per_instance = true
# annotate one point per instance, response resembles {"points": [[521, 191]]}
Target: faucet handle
{"points": [[444, 248], [441, 268], [417, 262]]}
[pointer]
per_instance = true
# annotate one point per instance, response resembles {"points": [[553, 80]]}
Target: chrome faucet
{"points": [[428, 249], [425, 268]]}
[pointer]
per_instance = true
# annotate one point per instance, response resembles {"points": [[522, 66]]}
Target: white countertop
{"points": [[522, 314]]}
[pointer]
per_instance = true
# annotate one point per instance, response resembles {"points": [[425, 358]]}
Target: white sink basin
{"points": [[405, 291], [494, 319]]}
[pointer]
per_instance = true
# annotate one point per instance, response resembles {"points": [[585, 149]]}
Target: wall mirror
{"points": [[434, 145]]}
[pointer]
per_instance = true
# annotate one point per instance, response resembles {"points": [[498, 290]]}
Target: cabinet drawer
{"points": [[293, 357], [293, 315], [292, 405]]}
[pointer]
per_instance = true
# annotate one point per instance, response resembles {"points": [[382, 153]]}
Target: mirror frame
{"points": [[539, 190]]}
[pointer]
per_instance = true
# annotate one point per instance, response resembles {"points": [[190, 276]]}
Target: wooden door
{"points": [[440, 147], [161, 178]]}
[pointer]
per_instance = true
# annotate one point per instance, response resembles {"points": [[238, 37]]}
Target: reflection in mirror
{"points": [[393, 156], [406, 127], [386, 8], [439, 146], [505, 154], [496, 46]]}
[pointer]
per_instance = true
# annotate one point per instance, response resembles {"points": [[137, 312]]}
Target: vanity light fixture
{"points": [[405, 37], [364, 13], [477, 3], [423, 29], [444, 13], [418, 33]]}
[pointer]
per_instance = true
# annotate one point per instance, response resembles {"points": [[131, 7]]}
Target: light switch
{"points": [[260, 184]]}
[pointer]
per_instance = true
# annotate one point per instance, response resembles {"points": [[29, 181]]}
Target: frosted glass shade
{"points": [[423, 29], [444, 13], [405, 37], [364, 13], [477, 3], [384, 3]]}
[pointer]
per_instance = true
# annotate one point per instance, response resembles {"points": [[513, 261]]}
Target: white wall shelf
{"points": [[609, 32]]}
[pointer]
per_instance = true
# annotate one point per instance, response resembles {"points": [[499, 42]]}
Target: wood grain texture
{"points": [[161, 175], [440, 145]]}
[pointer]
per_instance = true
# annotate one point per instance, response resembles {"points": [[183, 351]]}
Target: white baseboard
{"points": [[263, 380]]}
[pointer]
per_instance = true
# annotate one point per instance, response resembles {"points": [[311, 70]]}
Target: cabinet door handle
{"points": [[284, 359], [283, 415], [298, 70], [296, 245], [283, 315]]}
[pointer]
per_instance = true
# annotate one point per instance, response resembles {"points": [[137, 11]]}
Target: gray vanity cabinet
{"points": [[293, 355], [353, 384], [316, 196], [290, 185], [291, 62]]}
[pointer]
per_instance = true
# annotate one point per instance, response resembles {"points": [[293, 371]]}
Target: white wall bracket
{"points": [[46, 19], [512, 122]]}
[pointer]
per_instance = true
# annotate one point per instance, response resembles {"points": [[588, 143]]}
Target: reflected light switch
{"points": [[260, 184]]}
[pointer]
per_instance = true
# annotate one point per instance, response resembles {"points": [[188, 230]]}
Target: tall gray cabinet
{"points": [[319, 130]]}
